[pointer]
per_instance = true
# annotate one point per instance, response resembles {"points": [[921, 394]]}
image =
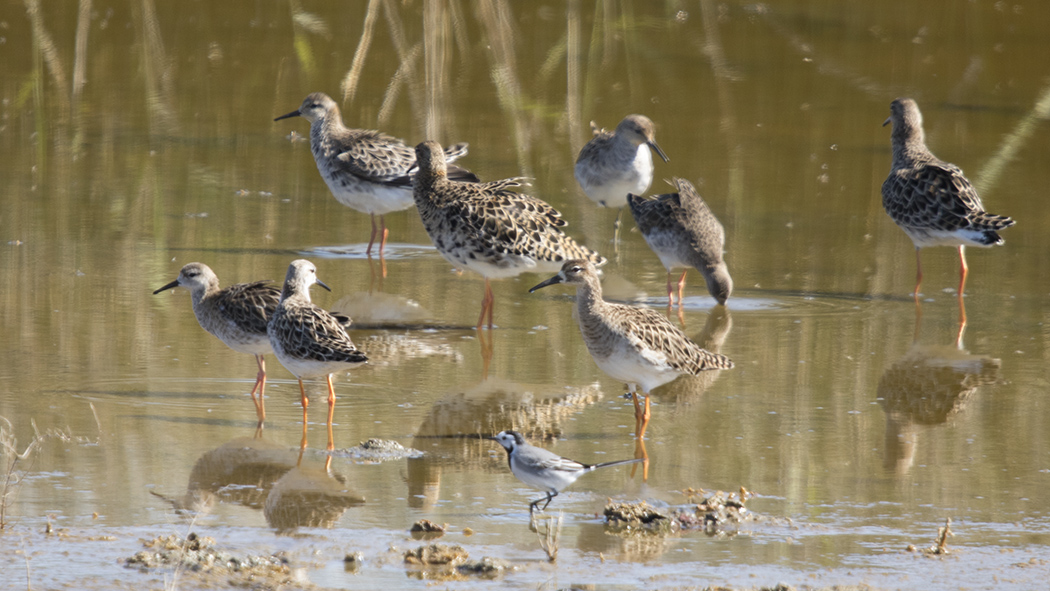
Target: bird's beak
{"points": [[294, 113], [659, 152], [552, 281], [171, 285], [887, 121], [322, 284]]}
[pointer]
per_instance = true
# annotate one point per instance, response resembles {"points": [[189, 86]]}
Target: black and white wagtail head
{"points": [[543, 469]]}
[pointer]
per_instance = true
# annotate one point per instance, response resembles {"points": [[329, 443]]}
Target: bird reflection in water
{"points": [[452, 434], [689, 388], [928, 386], [240, 471], [309, 495]]}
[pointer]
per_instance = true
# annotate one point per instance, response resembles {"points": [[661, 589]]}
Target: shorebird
{"points": [[236, 315], [309, 341], [366, 170], [683, 232], [544, 469], [612, 165], [930, 199], [637, 346], [489, 229]]}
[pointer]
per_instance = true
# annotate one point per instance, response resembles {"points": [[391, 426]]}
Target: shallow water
{"points": [[860, 424]]}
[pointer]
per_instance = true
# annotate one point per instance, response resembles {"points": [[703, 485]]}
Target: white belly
{"points": [[628, 366], [368, 197]]}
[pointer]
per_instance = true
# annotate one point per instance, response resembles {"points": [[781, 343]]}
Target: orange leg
{"points": [[331, 413], [641, 413], [486, 306], [306, 404], [382, 239], [644, 418], [962, 326], [641, 454], [260, 386], [918, 274], [963, 272], [681, 288]]}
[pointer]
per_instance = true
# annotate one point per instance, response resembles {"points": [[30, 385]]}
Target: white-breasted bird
{"points": [[544, 469]]}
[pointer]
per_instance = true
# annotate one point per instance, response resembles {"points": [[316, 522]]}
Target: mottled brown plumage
{"points": [[308, 340], [929, 198], [684, 232], [638, 346], [487, 228], [366, 170], [237, 315]]}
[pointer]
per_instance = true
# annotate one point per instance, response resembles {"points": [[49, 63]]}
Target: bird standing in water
{"points": [[930, 199]]}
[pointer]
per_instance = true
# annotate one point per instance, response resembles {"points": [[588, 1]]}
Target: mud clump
{"points": [[200, 555], [720, 512], [424, 529], [449, 563], [436, 555], [378, 450], [486, 568], [717, 514], [637, 517]]}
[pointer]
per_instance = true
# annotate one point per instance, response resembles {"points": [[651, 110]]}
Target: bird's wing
{"points": [[934, 194], [249, 306], [663, 343], [558, 464], [313, 333], [378, 157], [654, 212]]}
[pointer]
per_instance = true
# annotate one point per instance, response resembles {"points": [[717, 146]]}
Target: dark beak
{"points": [[659, 152], [552, 281], [887, 121], [294, 113], [322, 284], [171, 285]]}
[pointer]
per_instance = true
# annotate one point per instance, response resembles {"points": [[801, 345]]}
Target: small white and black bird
{"points": [[544, 469]]}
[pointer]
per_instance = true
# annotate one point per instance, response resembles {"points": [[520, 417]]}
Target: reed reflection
{"points": [[928, 386]]}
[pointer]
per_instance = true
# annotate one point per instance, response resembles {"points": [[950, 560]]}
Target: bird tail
{"points": [[709, 360], [983, 228], [616, 463], [990, 221]]}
